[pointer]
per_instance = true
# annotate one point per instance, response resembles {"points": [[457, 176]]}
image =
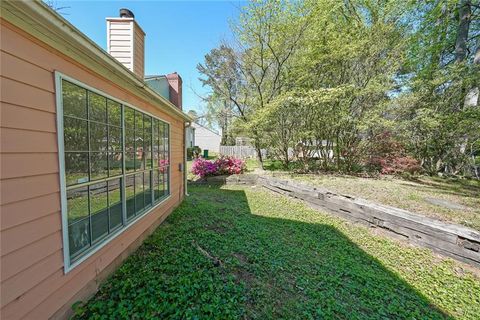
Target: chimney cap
{"points": [[125, 13]]}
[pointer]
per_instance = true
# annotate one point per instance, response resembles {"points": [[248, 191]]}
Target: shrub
{"points": [[193, 152], [387, 156], [223, 165], [230, 165], [204, 168]]}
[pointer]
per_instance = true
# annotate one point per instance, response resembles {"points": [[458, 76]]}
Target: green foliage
{"points": [[290, 262], [342, 72]]}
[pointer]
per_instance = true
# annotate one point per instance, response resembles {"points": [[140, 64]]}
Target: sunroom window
{"points": [[116, 166]]}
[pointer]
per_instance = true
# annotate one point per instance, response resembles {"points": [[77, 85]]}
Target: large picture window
{"points": [[116, 166]]}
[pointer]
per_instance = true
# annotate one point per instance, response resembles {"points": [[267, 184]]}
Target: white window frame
{"points": [[68, 265]]}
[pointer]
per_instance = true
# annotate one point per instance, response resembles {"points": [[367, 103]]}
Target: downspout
{"points": [[187, 125]]}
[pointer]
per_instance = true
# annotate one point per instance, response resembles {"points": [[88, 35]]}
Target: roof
{"points": [[39, 20], [196, 125]]}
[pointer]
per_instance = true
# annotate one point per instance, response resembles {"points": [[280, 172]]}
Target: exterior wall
{"points": [[120, 40], [190, 133], [126, 43], [160, 85], [206, 139], [33, 283], [139, 51]]}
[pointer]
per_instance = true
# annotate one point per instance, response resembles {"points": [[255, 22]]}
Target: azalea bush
{"points": [[223, 165]]}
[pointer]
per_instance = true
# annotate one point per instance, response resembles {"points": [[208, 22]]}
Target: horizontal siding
{"points": [[120, 25], [14, 92], [139, 55], [119, 43], [27, 233], [15, 286], [20, 212], [33, 282], [20, 189], [22, 71], [16, 165], [21, 259], [20, 141], [17, 117], [126, 38]]}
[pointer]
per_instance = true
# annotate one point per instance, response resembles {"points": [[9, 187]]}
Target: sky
{"points": [[178, 33]]}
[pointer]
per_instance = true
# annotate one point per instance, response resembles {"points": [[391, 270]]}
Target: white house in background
{"points": [[190, 137], [204, 138]]}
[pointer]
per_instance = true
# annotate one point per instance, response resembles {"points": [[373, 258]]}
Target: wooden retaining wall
{"points": [[458, 242], [455, 241]]}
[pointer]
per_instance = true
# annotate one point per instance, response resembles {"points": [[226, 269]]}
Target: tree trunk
{"points": [[259, 157], [465, 14]]}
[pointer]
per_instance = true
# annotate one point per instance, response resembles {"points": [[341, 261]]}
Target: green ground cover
{"points": [[244, 253]]}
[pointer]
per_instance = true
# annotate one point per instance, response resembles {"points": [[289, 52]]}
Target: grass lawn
{"points": [[244, 253], [413, 195]]}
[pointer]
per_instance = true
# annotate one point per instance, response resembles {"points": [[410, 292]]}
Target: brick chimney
{"points": [[175, 89], [126, 42]]}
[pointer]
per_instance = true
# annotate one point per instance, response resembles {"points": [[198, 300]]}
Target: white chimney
{"points": [[126, 42]]}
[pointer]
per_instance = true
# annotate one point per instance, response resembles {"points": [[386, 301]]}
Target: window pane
{"points": [[76, 167], [98, 137], [75, 134], [99, 210], [129, 118], [161, 142], [97, 106], [156, 143], [115, 164], [139, 193], [148, 189], [114, 110], [166, 143], [130, 195], [130, 161], [130, 140], [115, 203], [158, 191], [114, 138], [74, 100], [79, 237], [147, 142], [138, 121], [98, 165], [77, 204]]}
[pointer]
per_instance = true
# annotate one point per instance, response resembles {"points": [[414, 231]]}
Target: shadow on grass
{"points": [[267, 268], [456, 187]]}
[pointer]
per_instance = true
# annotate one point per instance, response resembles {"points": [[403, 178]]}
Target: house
{"points": [[92, 157], [190, 137], [206, 138]]}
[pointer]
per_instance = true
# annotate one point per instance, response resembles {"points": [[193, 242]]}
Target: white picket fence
{"points": [[240, 151]]}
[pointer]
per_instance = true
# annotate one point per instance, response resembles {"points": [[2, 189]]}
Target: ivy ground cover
{"points": [[244, 253]]}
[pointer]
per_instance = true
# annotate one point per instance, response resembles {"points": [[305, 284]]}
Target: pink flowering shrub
{"points": [[204, 168], [223, 165], [230, 165]]}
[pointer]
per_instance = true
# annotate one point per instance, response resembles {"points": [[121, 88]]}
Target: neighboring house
{"points": [[190, 136], [206, 139], [91, 157]]}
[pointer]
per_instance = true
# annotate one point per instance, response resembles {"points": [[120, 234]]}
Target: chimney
{"points": [[175, 89], [126, 42]]}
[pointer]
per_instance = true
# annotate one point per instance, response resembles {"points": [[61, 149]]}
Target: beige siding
{"points": [[33, 284], [139, 52], [120, 45]]}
